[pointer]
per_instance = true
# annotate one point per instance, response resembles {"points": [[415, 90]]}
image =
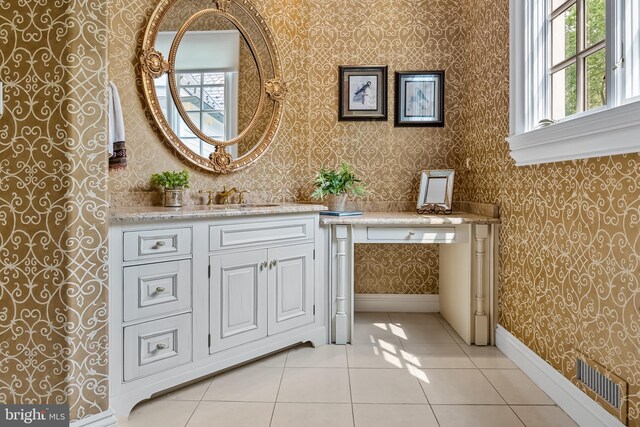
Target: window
{"points": [[578, 62], [575, 79]]}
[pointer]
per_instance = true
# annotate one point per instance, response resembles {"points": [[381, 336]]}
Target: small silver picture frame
{"points": [[436, 192]]}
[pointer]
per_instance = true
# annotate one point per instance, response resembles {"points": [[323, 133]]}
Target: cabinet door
{"points": [[238, 298], [291, 287]]}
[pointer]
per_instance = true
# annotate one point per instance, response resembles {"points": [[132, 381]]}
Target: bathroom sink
{"points": [[258, 205]]}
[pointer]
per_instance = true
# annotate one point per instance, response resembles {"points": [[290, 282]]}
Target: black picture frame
{"points": [[425, 112], [362, 93]]}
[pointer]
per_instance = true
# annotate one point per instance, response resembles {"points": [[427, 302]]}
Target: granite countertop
{"points": [[156, 213], [408, 218]]}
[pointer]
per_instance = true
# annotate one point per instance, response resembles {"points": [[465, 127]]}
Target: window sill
{"points": [[605, 133]]}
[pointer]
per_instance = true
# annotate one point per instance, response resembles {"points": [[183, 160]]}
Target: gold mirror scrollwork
{"points": [[272, 93]]}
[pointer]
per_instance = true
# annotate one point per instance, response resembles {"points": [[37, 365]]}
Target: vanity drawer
{"points": [[249, 234], [153, 347], [156, 289], [412, 235], [156, 243]]}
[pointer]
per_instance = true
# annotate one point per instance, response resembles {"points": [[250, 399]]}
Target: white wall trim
{"points": [[584, 411], [103, 419], [603, 133], [399, 303]]}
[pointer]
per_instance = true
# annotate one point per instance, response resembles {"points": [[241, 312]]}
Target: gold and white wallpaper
{"points": [[396, 269], [53, 205], [569, 243]]}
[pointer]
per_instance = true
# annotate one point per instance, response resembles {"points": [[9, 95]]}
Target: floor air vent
{"points": [[603, 386]]}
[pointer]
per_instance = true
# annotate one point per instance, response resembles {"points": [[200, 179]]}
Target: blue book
{"points": [[341, 213]]}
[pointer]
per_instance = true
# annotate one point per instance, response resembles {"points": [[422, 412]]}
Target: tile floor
{"points": [[403, 370]]}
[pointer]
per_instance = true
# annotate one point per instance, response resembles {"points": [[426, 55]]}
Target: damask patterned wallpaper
{"points": [[53, 205], [314, 38], [569, 245]]}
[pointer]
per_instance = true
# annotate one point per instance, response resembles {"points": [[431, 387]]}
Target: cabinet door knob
{"points": [[273, 263], [263, 265], [160, 289], [161, 346], [160, 244]]}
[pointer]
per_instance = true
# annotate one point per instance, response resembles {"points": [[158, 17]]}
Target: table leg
{"points": [[342, 279], [481, 318]]}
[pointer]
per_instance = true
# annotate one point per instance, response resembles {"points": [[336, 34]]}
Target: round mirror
{"points": [[212, 81]]}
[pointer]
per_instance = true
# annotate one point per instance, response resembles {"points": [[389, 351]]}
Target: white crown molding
{"points": [[603, 133], [103, 419], [399, 303], [584, 411]]}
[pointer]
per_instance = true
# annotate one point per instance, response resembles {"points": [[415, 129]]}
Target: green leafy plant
{"points": [[170, 179], [341, 180]]}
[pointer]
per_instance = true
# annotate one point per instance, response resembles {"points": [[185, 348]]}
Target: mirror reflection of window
{"points": [[207, 84]]}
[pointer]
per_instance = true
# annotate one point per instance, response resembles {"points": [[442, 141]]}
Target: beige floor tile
{"points": [[385, 386], [326, 356], [245, 384], [232, 414], [276, 360], [190, 392], [375, 333], [381, 355], [160, 413], [435, 356], [417, 333], [312, 415], [459, 387], [319, 385], [543, 416], [370, 317], [414, 318], [451, 331], [476, 416], [516, 387], [488, 357], [386, 415]]}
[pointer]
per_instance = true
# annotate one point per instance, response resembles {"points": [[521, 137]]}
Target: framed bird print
{"points": [[363, 93], [419, 98]]}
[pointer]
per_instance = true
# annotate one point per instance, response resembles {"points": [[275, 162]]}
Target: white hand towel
{"points": [[117, 151]]}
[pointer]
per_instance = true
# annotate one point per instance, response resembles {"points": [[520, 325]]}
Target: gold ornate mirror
{"points": [[213, 81]]}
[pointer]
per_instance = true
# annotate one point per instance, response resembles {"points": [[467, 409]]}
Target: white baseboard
{"points": [[584, 411], [397, 303], [103, 419]]}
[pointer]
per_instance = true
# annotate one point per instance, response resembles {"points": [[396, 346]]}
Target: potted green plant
{"points": [[335, 185], [173, 184]]}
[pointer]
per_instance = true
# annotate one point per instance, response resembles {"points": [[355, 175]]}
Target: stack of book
{"points": [[341, 213]]}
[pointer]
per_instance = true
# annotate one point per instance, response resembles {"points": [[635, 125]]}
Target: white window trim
{"points": [[591, 134]]}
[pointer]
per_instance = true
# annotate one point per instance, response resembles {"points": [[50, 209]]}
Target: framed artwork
{"points": [[419, 98], [436, 191], [363, 93]]}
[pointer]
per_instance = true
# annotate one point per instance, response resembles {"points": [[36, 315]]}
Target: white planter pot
{"points": [[336, 202]]}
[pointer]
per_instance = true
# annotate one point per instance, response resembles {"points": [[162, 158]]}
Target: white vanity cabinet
{"points": [[190, 297], [259, 293]]}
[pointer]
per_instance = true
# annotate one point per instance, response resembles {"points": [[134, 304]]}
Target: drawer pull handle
{"points": [[161, 346], [412, 233], [160, 290], [160, 244]]}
